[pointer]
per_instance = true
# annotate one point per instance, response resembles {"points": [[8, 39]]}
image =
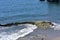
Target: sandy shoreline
{"points": [[38, 34], [57, 38]]}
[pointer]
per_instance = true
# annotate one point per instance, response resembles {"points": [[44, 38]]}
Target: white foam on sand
{"points": [[56, 26], [13, 35]]}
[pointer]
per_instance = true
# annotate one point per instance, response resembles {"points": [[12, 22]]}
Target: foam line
{"points": [[20, 33]]}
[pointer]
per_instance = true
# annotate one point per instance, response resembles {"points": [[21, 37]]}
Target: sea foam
{"points": [[13, 33], [56, 26]]}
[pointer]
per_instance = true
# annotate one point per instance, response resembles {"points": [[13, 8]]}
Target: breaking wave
{"points": [[14, 32]]}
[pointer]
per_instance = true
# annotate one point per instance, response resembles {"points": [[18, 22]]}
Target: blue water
{"points": [[28, 10]]}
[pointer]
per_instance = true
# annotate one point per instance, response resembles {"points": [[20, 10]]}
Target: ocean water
{"points": [[28, 10]]}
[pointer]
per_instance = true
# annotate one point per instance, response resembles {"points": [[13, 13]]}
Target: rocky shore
{"points": [[40, 24]]}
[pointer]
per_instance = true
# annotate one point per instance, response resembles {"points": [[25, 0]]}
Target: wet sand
{"points": [[48, 34], [57, 38]]}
